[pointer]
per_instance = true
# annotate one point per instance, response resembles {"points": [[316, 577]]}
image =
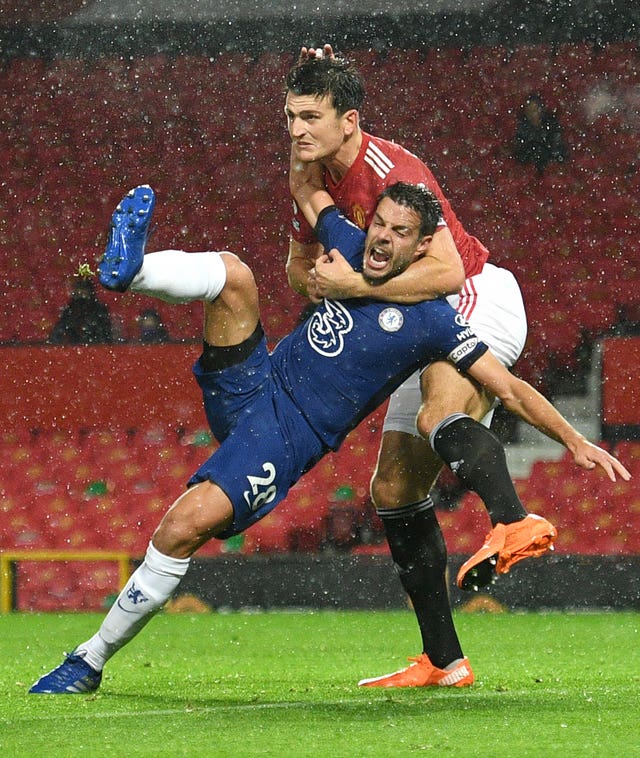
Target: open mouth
{"points": [[377, 259]]}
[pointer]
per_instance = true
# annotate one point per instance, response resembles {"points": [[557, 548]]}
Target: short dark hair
{"points": [[328, 76], [419, 199]]}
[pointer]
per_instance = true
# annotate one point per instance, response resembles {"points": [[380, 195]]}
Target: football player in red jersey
{"points": [[436, 415]]}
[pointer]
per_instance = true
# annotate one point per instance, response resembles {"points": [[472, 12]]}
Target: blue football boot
{"points": [[123, 255], [72, 677]]}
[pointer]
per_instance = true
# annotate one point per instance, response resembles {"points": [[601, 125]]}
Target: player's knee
{"points": [[425, 424], [179, 537], [428, 419], [174, 539], [239, 275], [447, 393], [380, 489], [395, 487]]}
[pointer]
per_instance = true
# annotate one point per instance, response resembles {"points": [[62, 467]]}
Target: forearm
{"points": [[437, 274], [298, 275], [306, 184], [300, 262], [521, 398], [427, 279], [536, 410]]}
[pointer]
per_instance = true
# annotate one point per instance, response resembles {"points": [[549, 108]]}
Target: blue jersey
{"points": [[276, 415], [350, 355]]}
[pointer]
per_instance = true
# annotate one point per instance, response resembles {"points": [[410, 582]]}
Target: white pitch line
{"points": [[300, 704], [186, 710]]}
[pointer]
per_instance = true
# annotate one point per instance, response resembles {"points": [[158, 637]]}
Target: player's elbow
{"points": [[446, 278], [296, 278], [517, 396]]}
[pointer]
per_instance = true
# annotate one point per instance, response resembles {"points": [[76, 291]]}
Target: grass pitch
{"points": [[284, 684]]}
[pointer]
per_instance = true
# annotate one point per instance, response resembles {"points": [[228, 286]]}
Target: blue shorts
{"points": [[266, 443]]}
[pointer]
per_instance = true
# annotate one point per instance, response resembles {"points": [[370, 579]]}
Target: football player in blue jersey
{"points": [[277, 414]]}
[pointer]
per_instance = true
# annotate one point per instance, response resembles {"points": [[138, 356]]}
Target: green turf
{"points": [[283, 684]]}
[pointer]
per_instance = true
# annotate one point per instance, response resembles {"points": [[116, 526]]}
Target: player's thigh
{"points": [[203, 511], [232, 317], [405, 471], [446, 391]]}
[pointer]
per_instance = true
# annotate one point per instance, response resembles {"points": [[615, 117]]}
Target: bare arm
{"points": [[306, 183], [439, 273], [299, 266], [521, 398]]}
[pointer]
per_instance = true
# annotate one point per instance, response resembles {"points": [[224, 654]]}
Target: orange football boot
{"points": [[529, 538], [504, 546], [422, 673]]}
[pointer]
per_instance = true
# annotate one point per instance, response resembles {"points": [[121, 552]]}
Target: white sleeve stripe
{"points": [[375, 150], [378, 160], [380, 171]]}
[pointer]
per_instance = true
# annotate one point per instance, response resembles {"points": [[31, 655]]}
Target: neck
{"points": [[338, 165]]}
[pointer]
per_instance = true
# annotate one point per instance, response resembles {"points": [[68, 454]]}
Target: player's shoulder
{"points": [[389, 158], [389, 147]]}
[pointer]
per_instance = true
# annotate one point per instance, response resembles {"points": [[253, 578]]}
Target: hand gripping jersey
{"points": [[379, 164]]}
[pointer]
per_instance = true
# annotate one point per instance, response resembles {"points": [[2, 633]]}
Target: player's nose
{"points": [[383, 235], [296, 127]]}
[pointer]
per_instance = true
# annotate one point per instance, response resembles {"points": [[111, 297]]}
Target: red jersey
{"points": [[379, 164]]}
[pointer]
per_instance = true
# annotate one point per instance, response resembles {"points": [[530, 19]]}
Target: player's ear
{"points": [[350, 122], [423, 244]]}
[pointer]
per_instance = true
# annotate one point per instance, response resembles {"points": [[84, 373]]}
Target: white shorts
{"points": [[492, 303]]}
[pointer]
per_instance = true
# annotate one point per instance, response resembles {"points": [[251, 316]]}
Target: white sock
{"points": [[179, 277], [147, 590]]}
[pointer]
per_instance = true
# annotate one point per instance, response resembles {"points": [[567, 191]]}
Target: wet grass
{"points": [[284, 684]]}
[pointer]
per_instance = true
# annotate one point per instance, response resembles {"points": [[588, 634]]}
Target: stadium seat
{"points": [[465, 527], [628, 452]]}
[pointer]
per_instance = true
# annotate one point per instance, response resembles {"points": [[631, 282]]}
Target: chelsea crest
{"points": [[391, 319]]}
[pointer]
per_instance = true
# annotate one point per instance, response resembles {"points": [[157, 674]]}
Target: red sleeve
{"points": [[301, 231]]}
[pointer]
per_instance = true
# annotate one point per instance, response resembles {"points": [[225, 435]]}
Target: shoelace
{"points": [[422, 658]]}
